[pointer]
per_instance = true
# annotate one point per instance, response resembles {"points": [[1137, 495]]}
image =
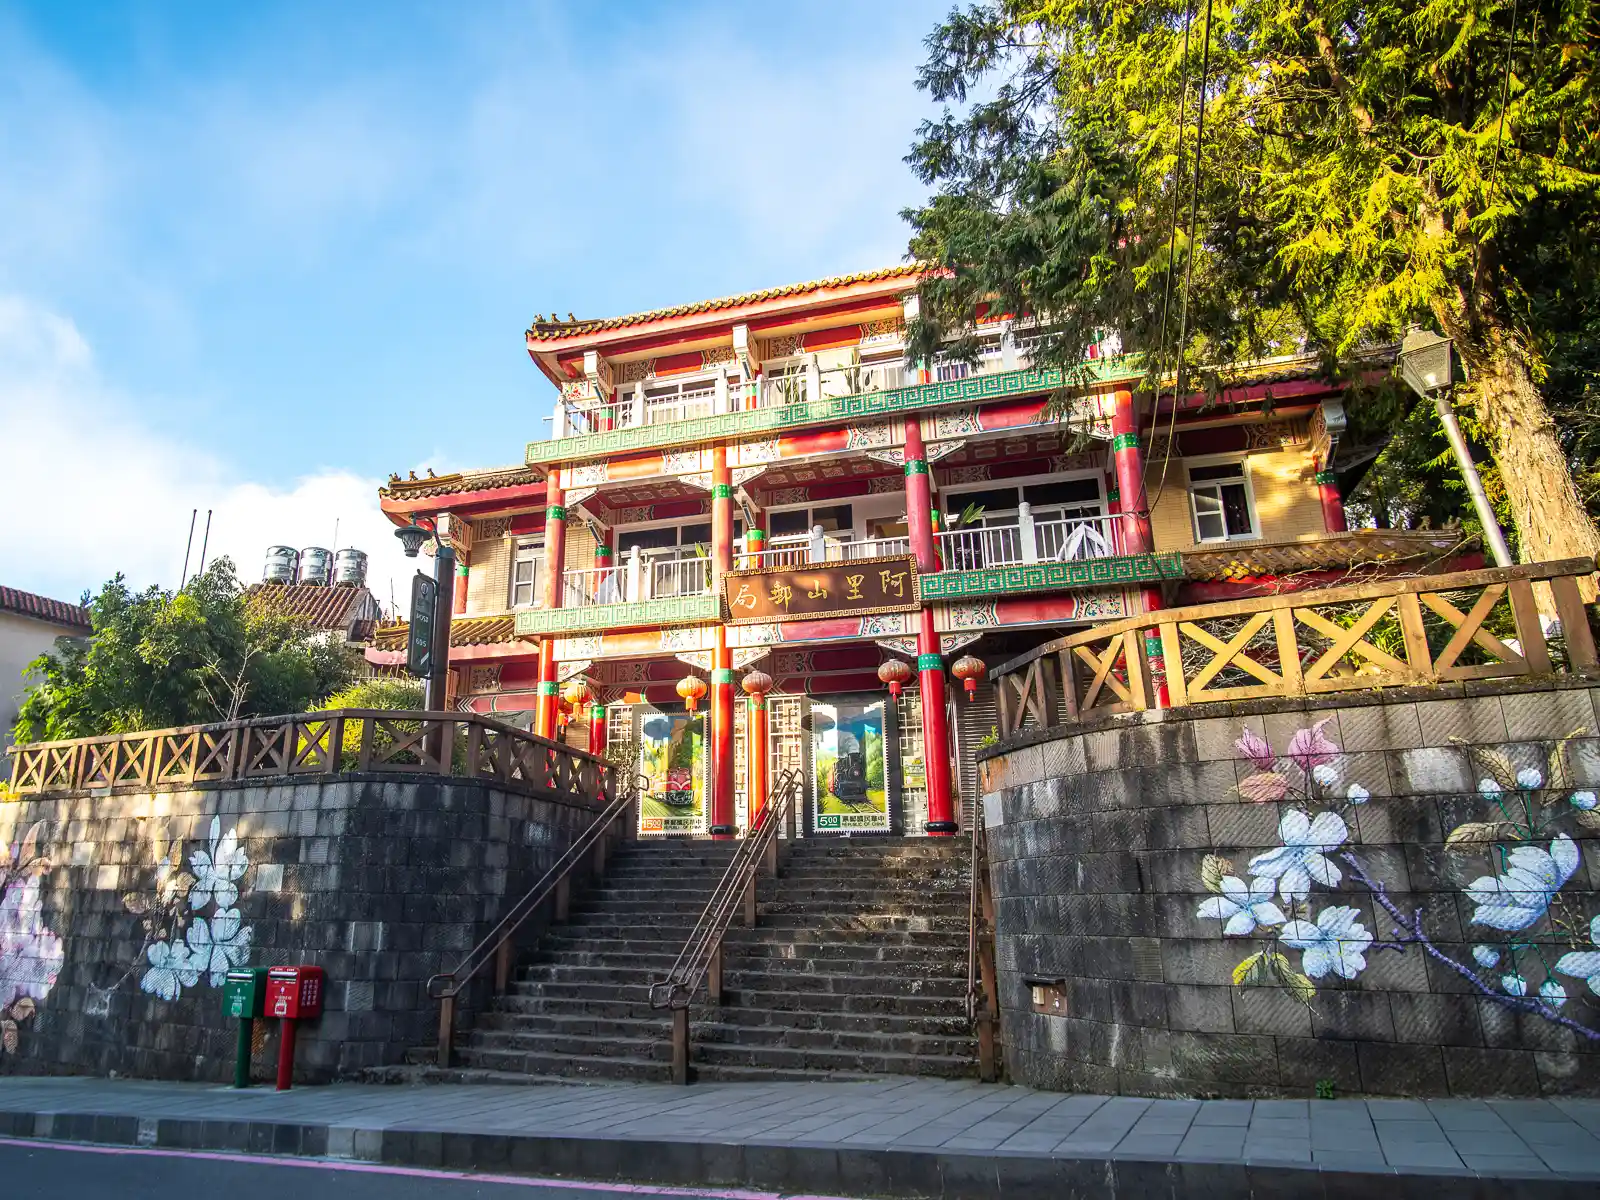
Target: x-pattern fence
{"points": [[461, 745], [1396, 633]]}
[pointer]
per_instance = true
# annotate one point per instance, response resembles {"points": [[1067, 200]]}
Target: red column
{"points": [[1129, 461], [1332, 502], [555, 558], [755, 769], [597, 728], [1134, 507], [722, 775], [461, 586], [930, 666]]}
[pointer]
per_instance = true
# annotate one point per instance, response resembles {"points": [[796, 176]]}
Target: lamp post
{"points": [[412, 537], [1426, 367]]}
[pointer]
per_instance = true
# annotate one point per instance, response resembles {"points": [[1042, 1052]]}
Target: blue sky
{"points": [[254, 258]]}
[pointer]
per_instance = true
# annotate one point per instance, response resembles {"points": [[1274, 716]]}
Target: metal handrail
{"points": [[983, 1009], [702, 953], [496, 946]]}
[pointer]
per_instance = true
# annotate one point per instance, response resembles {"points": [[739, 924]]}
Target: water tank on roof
{"points": [[349, 568], [282, 563], [316, 566]]}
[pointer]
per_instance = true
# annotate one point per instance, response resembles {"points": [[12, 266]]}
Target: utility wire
{"points": [[1188, 265]]}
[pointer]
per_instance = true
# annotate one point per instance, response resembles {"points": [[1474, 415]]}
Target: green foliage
{"points": [[158, 659], [378, 693], [1366, 164]]}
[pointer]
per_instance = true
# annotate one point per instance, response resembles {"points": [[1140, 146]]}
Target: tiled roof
{"points": [[56, 612], [1359, 548], [550, 330], [464, 631], [331, 608], [461, 481]]}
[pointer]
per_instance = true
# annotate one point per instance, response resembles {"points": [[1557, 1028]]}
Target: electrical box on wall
{"points": [[1049, 996]]}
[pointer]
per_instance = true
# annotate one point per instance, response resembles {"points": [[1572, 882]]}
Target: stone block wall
{"points": [[1387, 895], [121, 911]]}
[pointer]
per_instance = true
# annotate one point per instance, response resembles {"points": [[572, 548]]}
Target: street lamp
{"points": [[1425, 365], [412, 538]]}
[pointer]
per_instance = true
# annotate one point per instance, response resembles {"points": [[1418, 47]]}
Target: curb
{"points": [[820, 1170]]}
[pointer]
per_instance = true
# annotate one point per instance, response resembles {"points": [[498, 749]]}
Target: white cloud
{"points": [[94, 491]]}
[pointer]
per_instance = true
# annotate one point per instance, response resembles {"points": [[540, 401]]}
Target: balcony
{"points": [[1069, 539], [796, 550], [725, 408]]}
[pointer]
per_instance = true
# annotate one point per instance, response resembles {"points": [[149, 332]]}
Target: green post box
{"points": [[244, 995]]}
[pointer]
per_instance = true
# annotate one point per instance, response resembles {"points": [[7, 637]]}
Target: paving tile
{"points": [[1276, 1149], [1225, 1112], [1282, 1108], [1416, 1154], [1495, 1164], [1149, 1145]]}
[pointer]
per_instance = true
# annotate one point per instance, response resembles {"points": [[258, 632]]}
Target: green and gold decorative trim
{"points": [[916, 466], [721, 675], [1327, 477], [1052, 577], [679, 610], [547, 687], [597, 712], [929, 662], [555, 512], [601, 550], [722, 491], [1125, 441], [756, 422]]}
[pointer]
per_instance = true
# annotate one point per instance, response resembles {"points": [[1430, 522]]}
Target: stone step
{"points": [[653, 1044], [823, 943], [716, 1054], [766, 975], [578, 1019], [840, 1000], [569, 1066]]}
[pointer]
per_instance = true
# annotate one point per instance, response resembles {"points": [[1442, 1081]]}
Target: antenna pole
{"points": [[336, 535], [204, 541], [187, 546]]}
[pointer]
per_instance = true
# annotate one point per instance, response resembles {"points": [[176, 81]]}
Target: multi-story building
{"points": [[762, 485]]}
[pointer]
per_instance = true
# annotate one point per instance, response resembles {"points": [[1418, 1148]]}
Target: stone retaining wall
{"points": [[1143, 865], [121, 911]]}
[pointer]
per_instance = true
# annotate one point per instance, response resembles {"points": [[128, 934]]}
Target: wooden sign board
{"points": [[816, 591]]}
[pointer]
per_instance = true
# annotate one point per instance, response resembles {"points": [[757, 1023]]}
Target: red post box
{"points": [[293, 994]]}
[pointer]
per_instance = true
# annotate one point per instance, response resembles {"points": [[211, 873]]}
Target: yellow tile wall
{"points": [[1283, 483], [580, 546]]}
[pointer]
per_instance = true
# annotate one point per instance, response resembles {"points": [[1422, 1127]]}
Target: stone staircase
{"points": [[856, 969]]}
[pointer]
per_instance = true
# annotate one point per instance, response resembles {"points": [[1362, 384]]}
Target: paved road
{"points": [[34, 1171]]}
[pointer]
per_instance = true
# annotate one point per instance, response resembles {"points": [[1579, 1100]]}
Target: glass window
{"points": [[1221, 501], [525, 568], [694, 535], [992, 501], [1066, 491], [837, 519], [647, 539], [784, 523]]}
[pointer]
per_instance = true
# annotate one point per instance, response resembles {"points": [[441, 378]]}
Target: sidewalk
{"points": [[910, 1138]]}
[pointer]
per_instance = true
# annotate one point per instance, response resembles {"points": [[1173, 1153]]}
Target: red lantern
{"points": [[575, 693], [969, 670], [691, 689], [756, 685], [894, 672]]}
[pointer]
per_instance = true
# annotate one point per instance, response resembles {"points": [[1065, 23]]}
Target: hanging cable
{"points": [[1188, 266]]}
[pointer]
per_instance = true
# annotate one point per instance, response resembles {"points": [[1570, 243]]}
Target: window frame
{"points": [[536, 558], [1242, 464]]}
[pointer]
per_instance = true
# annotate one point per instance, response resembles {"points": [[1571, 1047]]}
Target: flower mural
{"points": [[30, 953], [183, 943], [1530, 860]]}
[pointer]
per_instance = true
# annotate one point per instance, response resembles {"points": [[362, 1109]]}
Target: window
{"points": [[1220, 494], [836, 518], [526, 565]]}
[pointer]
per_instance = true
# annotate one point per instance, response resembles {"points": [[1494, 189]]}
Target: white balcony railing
{"points": [[797, 549], [1057, 539], [631, 406], [641, 575]]}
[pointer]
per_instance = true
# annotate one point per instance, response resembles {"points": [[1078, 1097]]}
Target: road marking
{"points": [[325, 1164]]}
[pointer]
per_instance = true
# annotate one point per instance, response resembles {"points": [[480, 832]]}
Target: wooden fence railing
{"points": [[1395, 633], [461, 745]]}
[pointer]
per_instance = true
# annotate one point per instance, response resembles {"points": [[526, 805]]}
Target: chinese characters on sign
{"points": [[816, 590]]}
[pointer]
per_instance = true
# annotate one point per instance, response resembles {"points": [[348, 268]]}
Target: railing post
{"points": [[1008, 348], [1530, 631], [598, 864], [635, 576], [1025, 534], [502, 966], [719, 399], [714, 974], [636, 409], [813, 379], [818, 549], [987, 1067], [771, 855], [680, 1045], [1574, 622], [447, 1029]]}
